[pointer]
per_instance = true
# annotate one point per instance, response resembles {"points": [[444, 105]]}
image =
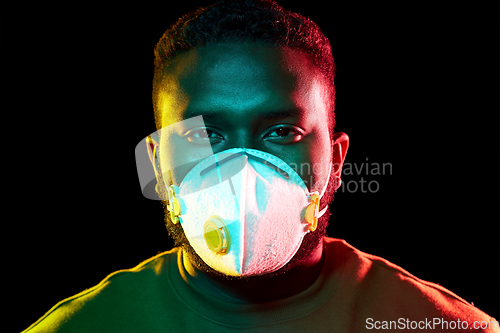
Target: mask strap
{"points": [[323, 211], [327, 180]]}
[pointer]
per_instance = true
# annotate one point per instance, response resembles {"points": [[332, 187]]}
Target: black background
{"points": [[417, 87]]}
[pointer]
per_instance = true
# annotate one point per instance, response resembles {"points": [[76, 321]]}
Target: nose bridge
{"points": [[242, 136]]}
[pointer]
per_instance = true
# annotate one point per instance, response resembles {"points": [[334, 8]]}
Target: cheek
{"points": [[312, 161], [320, 156], [320, 153], [178, 154], [304, 170], [178, 158], [312, 97]]}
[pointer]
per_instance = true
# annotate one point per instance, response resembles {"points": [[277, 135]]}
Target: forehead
{"points": [[239, 78]]}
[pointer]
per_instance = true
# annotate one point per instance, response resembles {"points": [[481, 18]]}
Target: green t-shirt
{"points": [[355, 292]]}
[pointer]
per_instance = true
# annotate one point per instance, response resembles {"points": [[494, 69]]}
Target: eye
{"points": [[203, 135], [284, 134]]}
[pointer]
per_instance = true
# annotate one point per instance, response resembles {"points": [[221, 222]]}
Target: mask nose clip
{"points": [[216, 235]]}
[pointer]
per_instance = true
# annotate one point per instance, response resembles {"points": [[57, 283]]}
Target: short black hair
{"points": [[244, 21]]}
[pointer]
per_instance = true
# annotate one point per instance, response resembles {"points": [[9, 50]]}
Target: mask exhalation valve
{"points": [[216, 235]]}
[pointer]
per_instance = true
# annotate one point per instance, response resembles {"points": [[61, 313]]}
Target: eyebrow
{"points": [[278, 114]]}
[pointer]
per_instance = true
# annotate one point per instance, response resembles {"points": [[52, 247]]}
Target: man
{"points": [[244, 99]]}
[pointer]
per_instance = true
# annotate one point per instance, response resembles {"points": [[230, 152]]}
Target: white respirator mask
{"points": [[245, 212]]}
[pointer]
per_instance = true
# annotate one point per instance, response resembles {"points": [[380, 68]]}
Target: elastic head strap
{"points": [[323, 211]]}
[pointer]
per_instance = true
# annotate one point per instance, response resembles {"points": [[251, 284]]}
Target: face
{"points": [[250, 96]]}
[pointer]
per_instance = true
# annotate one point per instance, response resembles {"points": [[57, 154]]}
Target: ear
{"points": [[153, 147], [340, 144]]}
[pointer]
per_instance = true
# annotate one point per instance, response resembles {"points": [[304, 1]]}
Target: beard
{"points": [[309, 243]]}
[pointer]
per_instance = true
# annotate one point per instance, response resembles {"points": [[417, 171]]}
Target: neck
{"points": [[260, 288]]}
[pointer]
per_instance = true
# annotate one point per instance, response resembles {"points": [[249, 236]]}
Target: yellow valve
{"points": [[174, 205], [311, 213], [216, 235]]}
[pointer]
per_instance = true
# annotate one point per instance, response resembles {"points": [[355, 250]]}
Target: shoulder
{"points": [[381, 290], [115, 294]]}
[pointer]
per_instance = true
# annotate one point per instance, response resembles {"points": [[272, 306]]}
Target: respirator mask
{"points": [[245, 212]]}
